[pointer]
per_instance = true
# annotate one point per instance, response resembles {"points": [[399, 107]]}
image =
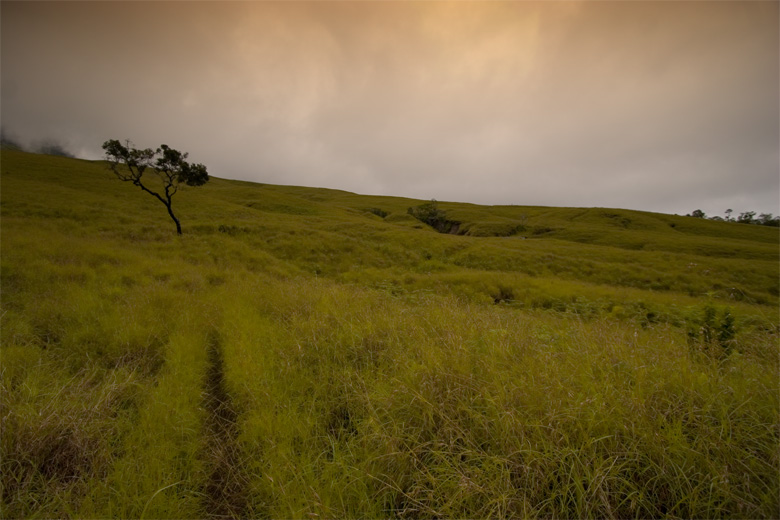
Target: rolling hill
{"points": [[304, 352]]}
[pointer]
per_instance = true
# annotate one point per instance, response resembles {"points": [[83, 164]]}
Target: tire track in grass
{"points": [[225, 490]]}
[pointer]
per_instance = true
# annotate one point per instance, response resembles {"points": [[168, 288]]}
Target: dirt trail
{"points": [[225, 488]]}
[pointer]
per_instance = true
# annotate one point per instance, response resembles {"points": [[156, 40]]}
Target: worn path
{"points": [[225, 487]]}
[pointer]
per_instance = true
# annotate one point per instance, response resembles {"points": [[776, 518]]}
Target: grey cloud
{"points": [[659, 106]]}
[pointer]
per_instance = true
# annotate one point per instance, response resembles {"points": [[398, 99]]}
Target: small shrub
{"points": [[726, 331], [712, 335], [430, 214], [503, 294]]}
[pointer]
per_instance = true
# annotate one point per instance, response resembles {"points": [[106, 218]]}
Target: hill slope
{"points": [[333, 233], [302, 352]]}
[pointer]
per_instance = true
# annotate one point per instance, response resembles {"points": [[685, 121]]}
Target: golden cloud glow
{"points": [[380, 95]]}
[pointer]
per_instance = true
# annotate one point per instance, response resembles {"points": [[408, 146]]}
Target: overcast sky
{"points": [[662, 106]]}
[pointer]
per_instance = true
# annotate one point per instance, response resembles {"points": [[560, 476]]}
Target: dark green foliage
{"points": [[430, 214], [378, 212], [766, 219], [746, 217], [749, 217], [726, 331], [504, 294], [712, 334], [708, 324]]}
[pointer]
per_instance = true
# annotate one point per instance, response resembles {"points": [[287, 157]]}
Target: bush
{"points": [[430, 214], [708, 331]]}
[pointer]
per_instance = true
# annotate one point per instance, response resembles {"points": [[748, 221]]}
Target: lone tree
{"points": [[130, 164]]}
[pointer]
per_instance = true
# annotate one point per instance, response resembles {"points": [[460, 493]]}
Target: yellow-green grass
{"points": [[296, 355]]}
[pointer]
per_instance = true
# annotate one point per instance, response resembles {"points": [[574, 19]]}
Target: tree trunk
{"points": [[170, 212]]}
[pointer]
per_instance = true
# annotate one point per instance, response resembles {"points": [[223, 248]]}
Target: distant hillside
{"points": [[345, 235]]}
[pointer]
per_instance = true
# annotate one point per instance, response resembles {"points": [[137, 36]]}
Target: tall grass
{"points": [[364, 405], [297, 355]]}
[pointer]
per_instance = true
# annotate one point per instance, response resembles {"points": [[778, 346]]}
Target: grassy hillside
{"points": [[304, 352]]}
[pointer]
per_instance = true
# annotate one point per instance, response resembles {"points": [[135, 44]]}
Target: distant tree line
{"points": [[747, 217]]}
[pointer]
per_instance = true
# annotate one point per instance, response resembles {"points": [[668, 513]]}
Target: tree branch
{"points": [[170, 167]]}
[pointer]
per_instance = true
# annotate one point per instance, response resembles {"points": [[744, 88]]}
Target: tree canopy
{"points": [[129, 164]]}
